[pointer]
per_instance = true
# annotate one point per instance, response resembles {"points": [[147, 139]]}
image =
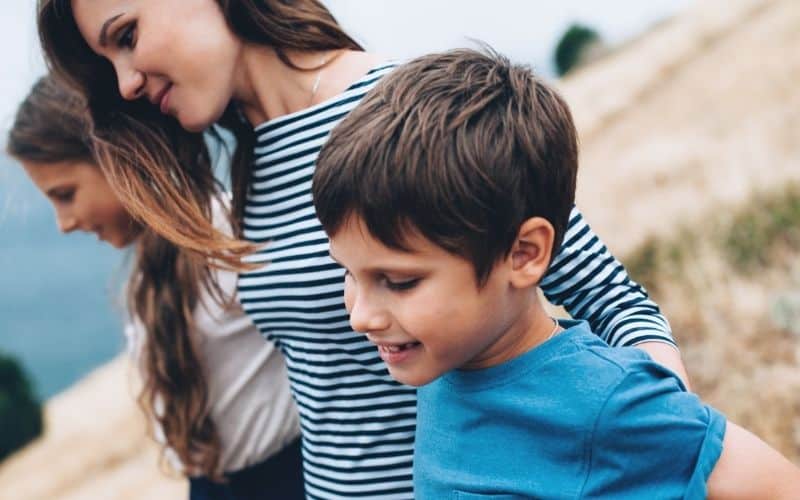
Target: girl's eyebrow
{"points": [[55, 189], [104, 29]]}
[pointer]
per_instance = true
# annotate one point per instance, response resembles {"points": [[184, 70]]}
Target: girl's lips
{"points": [[398, 353]]}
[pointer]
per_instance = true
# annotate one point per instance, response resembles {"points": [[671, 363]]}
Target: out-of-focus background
{"points": [[689, 120]]}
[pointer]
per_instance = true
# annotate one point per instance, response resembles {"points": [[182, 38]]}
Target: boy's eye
{"points": [[126, 37], [401, 286]]}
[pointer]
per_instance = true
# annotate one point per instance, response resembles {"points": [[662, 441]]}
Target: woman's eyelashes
{"points": [[126, 38]]}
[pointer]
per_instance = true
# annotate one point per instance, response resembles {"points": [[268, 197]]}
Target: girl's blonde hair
{"points": [[52, 126]]}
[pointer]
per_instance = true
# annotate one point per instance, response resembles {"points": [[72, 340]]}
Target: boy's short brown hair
{"points": [[462, 146]]}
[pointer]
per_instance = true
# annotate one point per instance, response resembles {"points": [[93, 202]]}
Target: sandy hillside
{"points": [[695, 115], [700, 112]]}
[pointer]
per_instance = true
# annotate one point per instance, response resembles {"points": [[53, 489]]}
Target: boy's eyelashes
{"points": [[401, 285], [396, 285]]}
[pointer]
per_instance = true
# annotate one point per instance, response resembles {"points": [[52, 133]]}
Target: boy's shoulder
{"points": [[587, 354], [575, 368], [576, 355]]}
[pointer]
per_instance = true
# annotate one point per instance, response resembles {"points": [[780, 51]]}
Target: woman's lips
{"points": [[164, 102]]}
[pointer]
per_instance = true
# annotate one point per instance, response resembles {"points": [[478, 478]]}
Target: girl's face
{"points": [[178, 54], [83, 200]]}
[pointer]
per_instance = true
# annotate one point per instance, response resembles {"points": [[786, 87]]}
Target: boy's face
{"points": [[423, 309]]}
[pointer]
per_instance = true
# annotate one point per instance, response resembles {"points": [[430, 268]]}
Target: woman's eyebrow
{"points": [[104, 29]]}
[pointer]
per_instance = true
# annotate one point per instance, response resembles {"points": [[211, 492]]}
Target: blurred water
{"points": [[57, 292]]}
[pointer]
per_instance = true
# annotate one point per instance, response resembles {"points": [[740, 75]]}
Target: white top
{"points": [[248, 386]]}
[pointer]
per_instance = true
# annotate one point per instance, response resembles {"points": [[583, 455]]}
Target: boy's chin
{"points": [[413, 379]]}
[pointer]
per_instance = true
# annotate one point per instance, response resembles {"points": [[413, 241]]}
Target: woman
{"points": [[280, 74], [216, 391]]}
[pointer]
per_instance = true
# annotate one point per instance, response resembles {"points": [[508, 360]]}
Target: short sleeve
{"points": [[653, 440]]}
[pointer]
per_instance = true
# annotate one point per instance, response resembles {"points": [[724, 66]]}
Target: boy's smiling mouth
{"points": [[397, 353]]}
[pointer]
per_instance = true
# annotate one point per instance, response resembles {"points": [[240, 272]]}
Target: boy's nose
{"points": [[365, 318]]}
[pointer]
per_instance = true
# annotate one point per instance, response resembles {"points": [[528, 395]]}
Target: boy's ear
{"points": [[530, 255]]}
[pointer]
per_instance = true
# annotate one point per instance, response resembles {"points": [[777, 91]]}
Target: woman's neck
{"points": [[268, 88]]}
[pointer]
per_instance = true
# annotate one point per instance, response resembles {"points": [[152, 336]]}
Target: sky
{"points": [[524, 30]]}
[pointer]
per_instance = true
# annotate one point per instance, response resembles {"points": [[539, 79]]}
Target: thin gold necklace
{"points": [[555, 330], [323, 63]]}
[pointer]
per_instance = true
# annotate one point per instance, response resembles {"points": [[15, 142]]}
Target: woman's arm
{"points": [[592, 285]]}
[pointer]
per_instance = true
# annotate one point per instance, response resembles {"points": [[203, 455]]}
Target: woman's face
{"points": [[178, 54], [83, 200]]}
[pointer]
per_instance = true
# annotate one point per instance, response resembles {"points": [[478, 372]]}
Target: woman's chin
{"points": [[194, 127], [193, 123]]}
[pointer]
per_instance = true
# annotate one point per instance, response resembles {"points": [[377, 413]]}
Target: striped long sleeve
{"points": [[592, 285]]}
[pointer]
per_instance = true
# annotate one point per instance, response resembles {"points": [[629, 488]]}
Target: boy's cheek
{"points": [[348, 294]]}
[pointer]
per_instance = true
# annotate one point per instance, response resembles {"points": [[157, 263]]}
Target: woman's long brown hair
{"points": [[284, 25], [166, 282]]}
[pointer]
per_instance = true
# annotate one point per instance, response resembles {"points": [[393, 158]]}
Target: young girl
{"points": [[216, 391], [280, 75]]}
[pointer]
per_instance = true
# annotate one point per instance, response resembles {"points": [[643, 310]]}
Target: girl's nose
{"points": [[66, 223]]}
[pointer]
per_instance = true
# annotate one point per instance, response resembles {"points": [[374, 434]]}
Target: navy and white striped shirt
{"points": [[358, 423]]}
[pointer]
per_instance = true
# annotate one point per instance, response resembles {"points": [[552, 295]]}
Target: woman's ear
{"points": [[530, 255]]}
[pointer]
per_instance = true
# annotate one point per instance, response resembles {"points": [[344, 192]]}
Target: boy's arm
{"points": [[749, 468], [592, 285]]}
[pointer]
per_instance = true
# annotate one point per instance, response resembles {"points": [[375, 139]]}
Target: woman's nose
{"points": [[131, 83]]}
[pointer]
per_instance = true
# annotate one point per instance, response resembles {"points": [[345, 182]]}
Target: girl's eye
{"points": [[126, 37], [64, 196], [401, 286]]}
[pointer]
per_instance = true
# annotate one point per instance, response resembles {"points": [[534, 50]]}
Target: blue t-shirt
{"points": [[572, 418]]}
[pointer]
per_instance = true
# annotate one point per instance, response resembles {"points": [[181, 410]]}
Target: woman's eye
{"points": [[401, 286], [126, 37]]}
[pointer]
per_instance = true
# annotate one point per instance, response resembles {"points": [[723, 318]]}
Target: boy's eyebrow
{"points": [[104, 29], [378, 269]]}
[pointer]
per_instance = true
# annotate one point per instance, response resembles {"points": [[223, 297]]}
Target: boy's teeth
{"points": [[397, 348]]}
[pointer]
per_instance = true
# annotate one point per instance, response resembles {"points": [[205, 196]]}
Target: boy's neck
{"points": [[532, 328]]}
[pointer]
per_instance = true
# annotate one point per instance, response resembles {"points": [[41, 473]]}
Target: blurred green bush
{"points": [[572, 46], [20, 410]]}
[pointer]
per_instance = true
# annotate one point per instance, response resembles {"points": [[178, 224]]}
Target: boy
{"points": [[444, 194]]}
